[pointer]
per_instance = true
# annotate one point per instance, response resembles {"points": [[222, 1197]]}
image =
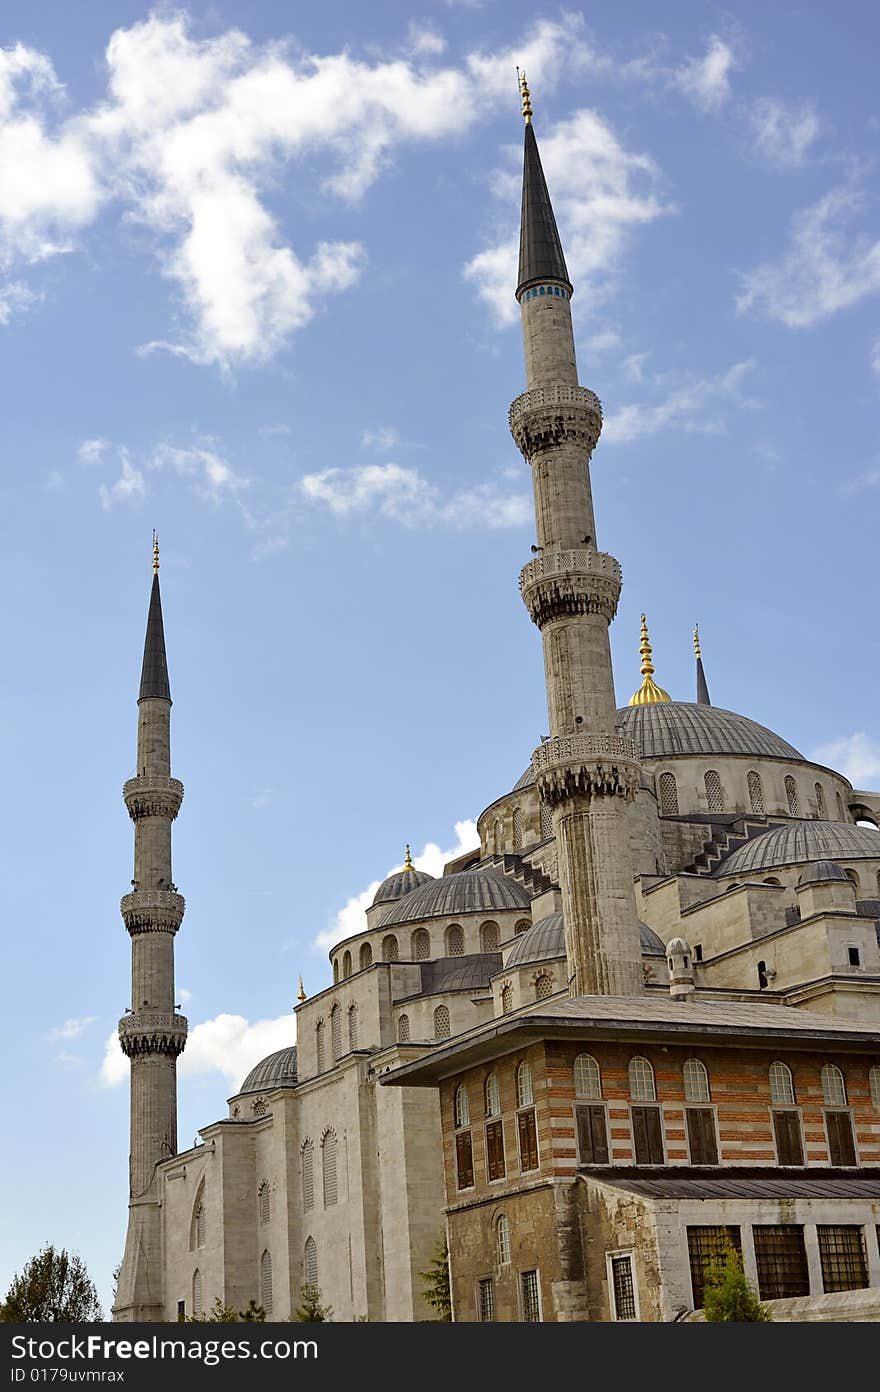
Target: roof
{"points": [[399, 883], [672, 728], [154, 672], [274, 1071], [540, 250], [821, 872], [798, 843], [545, 941], [685, 1183], [470, 891], [471, 973]]}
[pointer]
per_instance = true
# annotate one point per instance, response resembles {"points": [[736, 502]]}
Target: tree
{"points": [[311, 1311], [728, 1296], [436, 1292], [53, 1287], [227, 1314]]}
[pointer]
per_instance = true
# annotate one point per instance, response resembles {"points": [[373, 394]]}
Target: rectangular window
{"points": [[647, 1135], [789, 1147], [623, 1288], [531, 1304], [701, 1135], [464, 1160], [495, 1149], [181, 1312], [698, 952], [855, 958], [841, 1145], [706, 1250], [843, 1257], [528, 1140], [592, 1134], [486, 1294], [781, 1256]]}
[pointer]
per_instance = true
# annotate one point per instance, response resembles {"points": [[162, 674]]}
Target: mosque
{"points": [[639, 1021]]}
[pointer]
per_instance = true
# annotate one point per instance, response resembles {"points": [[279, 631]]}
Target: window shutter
{"points": [[788, 1138], [840, 1138], [464, 1160], [647, 1135], [495, 1149], [701, 1136], [592, 1135], [528, 1141]]}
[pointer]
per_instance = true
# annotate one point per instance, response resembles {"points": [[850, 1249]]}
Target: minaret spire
{"points": [[702, 688], [649, 692], [540, 249]]}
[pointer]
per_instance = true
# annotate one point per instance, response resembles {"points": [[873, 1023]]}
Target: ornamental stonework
{"points": [[565, 583], [148, 1032], [153, 796], [588, 765], [152, 911], [545, 417]]}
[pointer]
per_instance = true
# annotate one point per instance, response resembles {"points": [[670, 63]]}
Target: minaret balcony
{"points": [[153, 795], [152, 910], [586, 766], [546, 417], [145, 1032], [562, 583]]}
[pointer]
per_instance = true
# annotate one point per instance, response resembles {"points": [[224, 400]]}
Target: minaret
{"points": [[702, 688], [649, 692], [151, 1034], [586, 772]]}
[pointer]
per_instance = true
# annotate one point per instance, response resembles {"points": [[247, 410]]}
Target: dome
{"points": [[470, 891], [401, 882], [666, 729], [821, 872], [677, 945], [798, 843], [277, 1070], [545, 941], [525, 780]]}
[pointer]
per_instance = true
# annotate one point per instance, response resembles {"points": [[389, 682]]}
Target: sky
{"points": [[257, 265]]}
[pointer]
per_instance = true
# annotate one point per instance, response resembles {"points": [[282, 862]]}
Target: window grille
{"points": [[265, 1202], [781, 1085], [525, 1094], [706, 1249], [820, 801], [624, 1291], [756, 792], [843, 1257], [200, 1225], [668, 795], [641, 1081], [366, 956], [336, 1032], [442, 1023], [587, 1078], [546, 822], [197, 1292], [421, 945], [531, 1305], [310, 1262], [390, 951], [781, 1257], [506, 1000], [260, 1108], [487, 1300], [517, 829], [403, 1029], [833, 1086], [696, 1081], [352, 1026], [319, 1045], [498, 839], [543, 987], [714, 795], [308, 1175], [266, 1282], [493, 1096], [503, 1239], [462, 1108], [328, 1168], [791, 795], [455, 941], [489, 937]]}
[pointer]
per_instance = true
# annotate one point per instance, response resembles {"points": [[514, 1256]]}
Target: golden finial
{"points": [[302, 995], [155, 552], [407, 863], [526, 97], [697, 652], [649, 692]]}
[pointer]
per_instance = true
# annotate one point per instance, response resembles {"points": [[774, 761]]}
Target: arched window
{"points": [[308, 1175], [454, 941], [791, 795], [878, 882], [198, 1224], [489, 937], [503, 1227], [641, 1081], [543, 986], [522, 926], [319, 1045], [328, 1168], [442, 1024], [462, 1109], [493, 1096], [756, 792], [336, 1031], [260, 1108], [546, 822], [266, 1283], [352, 1026], [390, 952], [517, 829], [820, 801], [506, 1000], [498, 838], [346, 965], [714, 796], [264, 1201], [335, 970], [403, 1029], [874, 1086], [197, 1292], [421, 945], [525, 1094], [366, 958], [310, 1263], [587, 1078], [851, 875], [668, 795], [833, 1086], [696, 1081], [781, 1085]]}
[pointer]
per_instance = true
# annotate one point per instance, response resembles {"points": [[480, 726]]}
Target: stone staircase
{"points": [[531, 879], [726, 838]]}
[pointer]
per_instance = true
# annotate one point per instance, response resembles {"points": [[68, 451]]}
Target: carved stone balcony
{"points": [[570, 582], [548, 416], [152, 911], [587, 765], [145, 1032], [153, 795]]}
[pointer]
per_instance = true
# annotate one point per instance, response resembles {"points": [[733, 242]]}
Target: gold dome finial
{"points": [[649, 692], [155, 552], [697, 652], [302, 995], [407, 862], [526, 97]]}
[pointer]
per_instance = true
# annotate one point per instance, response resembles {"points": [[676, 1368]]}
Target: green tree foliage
{"points": [[311, 1310], [435, 1290], [55, 1287], [227, 1314], [728, 1295]]}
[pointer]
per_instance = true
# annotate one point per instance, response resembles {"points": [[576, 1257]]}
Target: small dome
{"points": [[277, 1070], [677, 945], [525, 780], [545, 941], [798, 843], [821, 872], [399, 883], [468, 892]]}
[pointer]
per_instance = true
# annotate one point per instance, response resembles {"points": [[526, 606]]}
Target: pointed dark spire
{"points": [[540, 250], [154, 673], [702, 688]]}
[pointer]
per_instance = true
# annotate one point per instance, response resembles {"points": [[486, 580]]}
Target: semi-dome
{"points": [[401, 882], [274, 1071], [822, 872], [545, 941], [798, 843], [470, 891]]}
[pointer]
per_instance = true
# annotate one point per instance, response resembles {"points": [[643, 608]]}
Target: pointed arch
{"points": [[264, 1201], [820, 801], [336, 1032], [714, 793], [756, 792], [791, 796], [353, 1025], [307, 1159], [668, 790], [198, 1304], [403, 1029], [455, 940], [366, 957], [390, 950], [319, 1046], [310, 1263], [266, 1282], [328, 1169], [490, 937], [346, 965], [198, 1221], [517, 829], [442, 1022], [421, 945]]}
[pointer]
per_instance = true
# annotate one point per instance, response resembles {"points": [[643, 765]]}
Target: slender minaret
{"points": [[586, 772], [151, 1034], [702, 688]]}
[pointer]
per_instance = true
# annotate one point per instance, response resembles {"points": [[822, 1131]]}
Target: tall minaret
{"points": [[586, 772], [151, 1034]]}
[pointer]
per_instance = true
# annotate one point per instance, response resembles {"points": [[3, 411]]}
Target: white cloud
{"points": [[685, 407], [269, 430], [856, 756], [383, 438], [92, 451], [824, 269], [783, 133], [634, 366], [706, 81], [600, 192], [406, 496], [130, 483], [68, 1060], [184, 994], [602, 341], [72, 1029], [423, 40], [16, 298], [227, 1044], [262, 798], [214, 475]]}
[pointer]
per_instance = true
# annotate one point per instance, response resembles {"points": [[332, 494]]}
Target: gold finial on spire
{"points": [[302, 995], [526, 97], [697, 652], [155, 552], [649, 692], [407, 863]]}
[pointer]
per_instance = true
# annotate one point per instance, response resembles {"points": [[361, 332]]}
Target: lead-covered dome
{"points": [[798, 843], [401, 882], [545, 941], [274, 1071], [469, 892]]}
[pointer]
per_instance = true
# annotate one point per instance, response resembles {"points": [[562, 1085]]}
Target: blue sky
{"points": [[256, 291]]}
